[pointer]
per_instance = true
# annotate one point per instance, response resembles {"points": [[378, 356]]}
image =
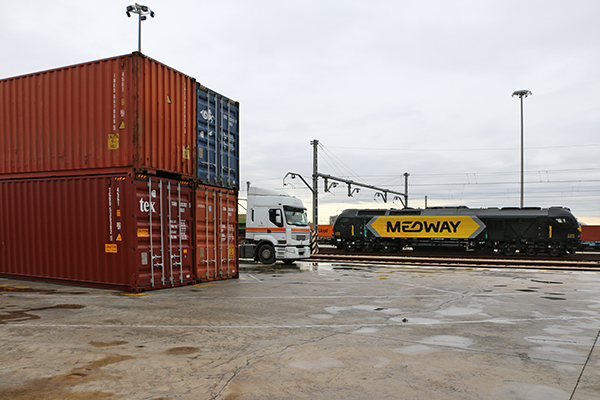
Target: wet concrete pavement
{"points": [[309, 332]]}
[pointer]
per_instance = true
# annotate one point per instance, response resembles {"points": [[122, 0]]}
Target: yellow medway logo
{"points": [[438, 226]]}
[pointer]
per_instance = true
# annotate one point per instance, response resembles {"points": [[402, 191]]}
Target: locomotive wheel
{"points": [[531, 250], [266, 254], [555, 250], [508, 249]]}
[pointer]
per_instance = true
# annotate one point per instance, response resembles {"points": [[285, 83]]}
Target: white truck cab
{"points": [[276, 227]]}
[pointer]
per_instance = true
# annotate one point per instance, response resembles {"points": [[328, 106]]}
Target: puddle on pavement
{"points": [[363, 307], [23, 315], [62, 386], [448, 340], [548, 282], [365, 330], [416, 321], [416, 349], [274, 269], [180, 351], [108, 344], [352, 268], [460, 311], [4, 288], [322, 364], [321, 316]]}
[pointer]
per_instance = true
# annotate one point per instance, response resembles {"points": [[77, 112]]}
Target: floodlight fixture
{"points": [[142, 12], [521, 94]]}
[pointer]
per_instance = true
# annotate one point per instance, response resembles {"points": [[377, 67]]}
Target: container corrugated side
{"points": [[216, 233], [590, 233], [113, 231], [126, 113], [218, 138]]}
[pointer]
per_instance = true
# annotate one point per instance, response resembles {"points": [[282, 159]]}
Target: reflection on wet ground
{"points": [[24, 315], [26, 289]]}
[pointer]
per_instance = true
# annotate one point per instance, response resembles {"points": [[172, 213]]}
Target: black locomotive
{"points": [[554, 231]]}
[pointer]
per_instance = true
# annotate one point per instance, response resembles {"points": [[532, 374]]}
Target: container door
{"points": [[228, 245], [229, 143], [206, 146], [206, 236], [165, 219], [217, 137], [216, 234]]}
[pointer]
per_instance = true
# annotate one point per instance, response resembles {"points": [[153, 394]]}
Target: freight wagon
{"points": [[326, 234], [508, 230], [124, 231], [590, 236]]}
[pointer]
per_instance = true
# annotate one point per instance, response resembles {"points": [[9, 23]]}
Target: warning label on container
{"points": [[143, 233], [186, 152], [119, 238], [110, 248], [113, 141]]}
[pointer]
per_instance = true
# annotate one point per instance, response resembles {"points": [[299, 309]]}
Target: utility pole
{"points": [[406, 175], [315, 190]]}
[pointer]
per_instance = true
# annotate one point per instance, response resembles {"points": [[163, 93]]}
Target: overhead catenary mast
{"points": [[380, 192]]}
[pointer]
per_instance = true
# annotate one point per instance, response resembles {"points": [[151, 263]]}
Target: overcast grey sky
{"points": [[386, 87]]}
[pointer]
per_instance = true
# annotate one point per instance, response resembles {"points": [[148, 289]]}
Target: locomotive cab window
{"points": [[561, 221], [402, 212], [344, 222], [370, 212]]}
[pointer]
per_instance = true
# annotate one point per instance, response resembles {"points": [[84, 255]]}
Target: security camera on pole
{"points": [[142, 12]]}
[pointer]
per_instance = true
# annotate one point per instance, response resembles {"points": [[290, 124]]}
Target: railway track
{"points": [[572, 263]]}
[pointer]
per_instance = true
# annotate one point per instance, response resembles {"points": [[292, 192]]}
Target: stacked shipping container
{"points": [[121, 114], [99, 181]]}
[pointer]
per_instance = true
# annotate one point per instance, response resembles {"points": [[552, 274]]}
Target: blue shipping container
{"points": [[218, 139]]}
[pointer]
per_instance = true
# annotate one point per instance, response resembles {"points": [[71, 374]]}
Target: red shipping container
{"points": [[116, 231], [216, 234], [590, 233], [121, 114]]}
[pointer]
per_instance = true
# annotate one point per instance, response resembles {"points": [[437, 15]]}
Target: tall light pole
{"points": [[521, 94], [142, 12]]}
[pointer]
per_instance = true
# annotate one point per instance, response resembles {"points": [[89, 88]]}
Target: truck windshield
{"points": [[295, 216]]}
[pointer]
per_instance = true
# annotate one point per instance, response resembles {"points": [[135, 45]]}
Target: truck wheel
{"points": [[266, 254]]}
